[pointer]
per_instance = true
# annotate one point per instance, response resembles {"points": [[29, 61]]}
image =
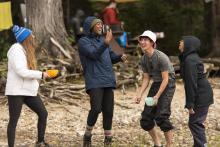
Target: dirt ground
{"points": [[66, 123]]}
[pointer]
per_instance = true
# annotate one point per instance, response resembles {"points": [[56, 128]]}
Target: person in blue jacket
{"points": [[199, 94], [97, 59]]}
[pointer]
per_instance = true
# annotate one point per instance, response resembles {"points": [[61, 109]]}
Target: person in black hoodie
{"points": [[198, 92]]}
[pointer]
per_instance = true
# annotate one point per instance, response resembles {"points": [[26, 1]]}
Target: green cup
{"points": [[150, 101]]}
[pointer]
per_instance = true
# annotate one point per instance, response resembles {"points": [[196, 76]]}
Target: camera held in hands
{"points": [[105, 28]]}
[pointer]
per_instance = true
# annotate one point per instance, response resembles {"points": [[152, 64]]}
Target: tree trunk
{"points": [[215, 29], [45, 17], [208, 18]]}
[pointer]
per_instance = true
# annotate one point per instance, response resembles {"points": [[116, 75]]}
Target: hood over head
{"points": [[191, 44], [88, 24]]}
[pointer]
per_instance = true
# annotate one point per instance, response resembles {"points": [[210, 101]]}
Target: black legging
{"points": [[101, 100], [15, 105]]}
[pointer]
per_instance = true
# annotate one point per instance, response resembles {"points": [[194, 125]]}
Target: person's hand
{"points": [[124, 57], [45, 75], [156, 97], [108, 36], [191, 111], [137, 99]]}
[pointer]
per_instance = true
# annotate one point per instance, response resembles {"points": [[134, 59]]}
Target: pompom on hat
{"points": [[21, 33]]}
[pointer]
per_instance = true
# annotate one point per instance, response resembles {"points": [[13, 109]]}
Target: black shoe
{"points": [[42, 144], [108, 141], [157, 146], [87, 140]]}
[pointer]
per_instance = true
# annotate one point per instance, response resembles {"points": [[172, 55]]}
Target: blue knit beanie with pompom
{"points": [[21, 33]]}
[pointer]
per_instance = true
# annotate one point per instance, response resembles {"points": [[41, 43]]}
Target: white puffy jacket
{"points": [[20, 80]]}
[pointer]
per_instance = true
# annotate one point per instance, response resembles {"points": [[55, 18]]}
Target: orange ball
{"points": [[52, 73]]}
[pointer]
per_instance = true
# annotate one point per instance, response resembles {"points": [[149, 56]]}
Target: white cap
{"points": [[150, 35]]}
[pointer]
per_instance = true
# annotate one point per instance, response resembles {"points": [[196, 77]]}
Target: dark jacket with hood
{"points": [[197, 88], [96, 58]]}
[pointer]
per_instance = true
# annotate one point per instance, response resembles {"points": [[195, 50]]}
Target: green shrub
{"points": [[4, 46]]}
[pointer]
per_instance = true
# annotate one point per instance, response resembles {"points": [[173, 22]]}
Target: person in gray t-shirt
{"points": [[156, 65]]}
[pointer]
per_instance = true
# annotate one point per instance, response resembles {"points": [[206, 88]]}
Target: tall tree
{"points": [[216, 29], [45, 17], [212, 25]]}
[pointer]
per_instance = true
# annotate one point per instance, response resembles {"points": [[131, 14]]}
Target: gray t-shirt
{"points": [[156, 64]]}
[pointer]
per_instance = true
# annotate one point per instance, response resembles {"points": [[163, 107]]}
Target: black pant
{"points": [[101, 100], [161, 112], [15, 105], [197, 127]]}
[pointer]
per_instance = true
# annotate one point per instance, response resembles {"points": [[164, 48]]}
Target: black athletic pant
{"points": [[101, 100], [160, 113], [15, 105], [196, 126]]}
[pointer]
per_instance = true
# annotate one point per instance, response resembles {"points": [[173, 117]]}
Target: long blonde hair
{"points": [[29, 46]]}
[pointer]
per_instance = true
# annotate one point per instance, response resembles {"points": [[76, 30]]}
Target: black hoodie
{"points": [[197, 88]]}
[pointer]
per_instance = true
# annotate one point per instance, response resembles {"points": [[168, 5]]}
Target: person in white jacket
{"points": [[23, 83]]}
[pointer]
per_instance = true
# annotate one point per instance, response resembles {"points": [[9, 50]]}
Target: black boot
{"points": [[42, 144], [87, 140], [108, 141]]}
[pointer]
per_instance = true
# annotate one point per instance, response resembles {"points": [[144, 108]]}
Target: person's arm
{"points": [[19, 65], [190, 77], [144, 85], [163, 85], [164, 65], [114, 57], [87, 49]]}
